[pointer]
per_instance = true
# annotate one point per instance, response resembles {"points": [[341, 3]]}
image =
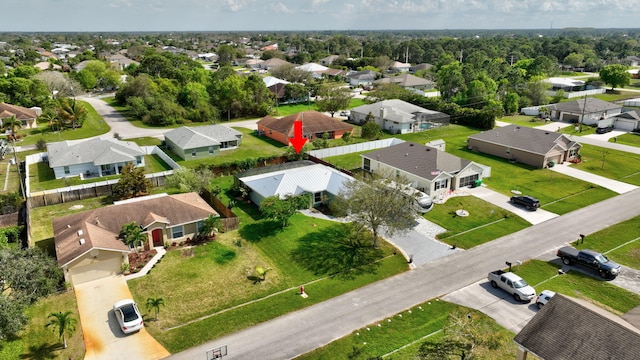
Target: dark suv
{"points": [[603, 130], [529, 202]]}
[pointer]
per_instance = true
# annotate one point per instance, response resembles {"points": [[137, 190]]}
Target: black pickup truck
{"points": [[608, 269]]}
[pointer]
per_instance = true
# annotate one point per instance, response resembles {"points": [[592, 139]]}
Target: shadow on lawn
{"points": [[41, 352], [255, 232], [338, 250]]}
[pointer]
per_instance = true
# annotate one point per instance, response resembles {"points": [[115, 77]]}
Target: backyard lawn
{"points": [[523, 120], [93, 125], [610, 163]]}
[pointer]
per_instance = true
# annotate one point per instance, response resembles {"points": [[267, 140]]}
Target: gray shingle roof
{"points": [[397, 110], [405, 80], [568, 328], [525, 138], [590, 105], [202, 136], [423, 161], [98, 151]]}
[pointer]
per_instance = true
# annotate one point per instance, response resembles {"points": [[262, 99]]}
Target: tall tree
{"points": [[72, 112], [12, 124], [64, 323], [374, 201], [333, 98], [450, 80], [279, 210], [615, 75], [132, 183]]}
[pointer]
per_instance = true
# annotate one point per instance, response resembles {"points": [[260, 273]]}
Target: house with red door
{"points": [[314, 125], [87, 244]]}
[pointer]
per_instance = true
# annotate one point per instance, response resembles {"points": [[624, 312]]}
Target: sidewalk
{"points": [[613, 185]]}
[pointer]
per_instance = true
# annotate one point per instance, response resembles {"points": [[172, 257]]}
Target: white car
{"points": [[344, 113], [544, 297], [128, 315]]}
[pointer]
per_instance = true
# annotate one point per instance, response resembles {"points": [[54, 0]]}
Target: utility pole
{"points": [[460, 56], [511, 60], [582, 116]]}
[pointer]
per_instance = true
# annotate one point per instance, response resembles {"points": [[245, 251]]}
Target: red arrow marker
{"points": [[297, 140]]}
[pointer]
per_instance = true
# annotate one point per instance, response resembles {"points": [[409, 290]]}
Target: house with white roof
{"points": [[269, 81], [315, 69], [399, 117], [202, 141], [565, 84], [93, 157], [294, 178]]}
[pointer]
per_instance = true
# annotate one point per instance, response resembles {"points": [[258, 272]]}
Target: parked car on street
{"points": [[128, 316], [344, 113], [513, 284], [529, 202], [606, 268], [544, 297]]}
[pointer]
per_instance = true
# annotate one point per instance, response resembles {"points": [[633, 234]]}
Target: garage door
{"points": [[95, 271], [626, 125], [570, 118]]}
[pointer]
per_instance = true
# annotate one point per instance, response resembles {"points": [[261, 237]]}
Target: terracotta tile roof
{"points": [[567, 328], [100, 227], [313, 122]]}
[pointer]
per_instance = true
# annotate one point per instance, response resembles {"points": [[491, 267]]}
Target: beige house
{"points": [[427, 169], [535, 147], [87, 244], [27, 116]]}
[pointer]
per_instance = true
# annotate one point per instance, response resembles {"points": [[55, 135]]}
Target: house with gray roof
{"points": [[202, 141], [569, 328], [587, 111], [531, 146], [301, 177], [399, 117], [358, 78], [407, 81], [92, 158], [427, 169]]}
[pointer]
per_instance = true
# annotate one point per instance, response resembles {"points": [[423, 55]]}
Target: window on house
{"points": [[211, 148], [138, 160], [177, 232], [199, 225], [193, 153], [317, 197], [441, 184], [66, 170], [367, 164]]}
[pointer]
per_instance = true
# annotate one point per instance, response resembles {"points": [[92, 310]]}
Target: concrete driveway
{"points": [[495, 198], [496, 303], [103, 338], [613, 185]]}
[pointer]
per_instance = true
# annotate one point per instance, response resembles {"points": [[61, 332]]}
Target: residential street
{"points": [[302, 331]]}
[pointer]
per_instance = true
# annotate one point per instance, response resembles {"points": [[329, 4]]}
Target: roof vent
{"points": [[406, 154], [428, 149], [546, 133], [81, 241], [80, 232]]}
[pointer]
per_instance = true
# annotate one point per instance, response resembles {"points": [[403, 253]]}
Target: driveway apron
{"points": [[102, 335]]}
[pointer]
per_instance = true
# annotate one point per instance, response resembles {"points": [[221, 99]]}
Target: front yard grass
{"points": [[544, 275], [631, 139], [620, 242], [485, 222], [37, 342], [610, 163], [93, 125], [202, 285], [410, 328]]}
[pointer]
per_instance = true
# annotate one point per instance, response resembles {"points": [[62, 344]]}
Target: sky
{"points": [[296, 15]]}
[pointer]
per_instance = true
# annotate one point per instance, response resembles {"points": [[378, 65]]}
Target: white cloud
{"points": [[281, 8], [237, 5]]}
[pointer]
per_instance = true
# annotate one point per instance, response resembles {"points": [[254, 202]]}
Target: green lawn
{"points": [[93, 125], [37, 342], [485, 222], [523, 120], [575, 130], [220, 275], [544, 275], [620, 242], [617, 165], [411, 328], [631, 139], [613, 96], [42, 177], [146, 141]]}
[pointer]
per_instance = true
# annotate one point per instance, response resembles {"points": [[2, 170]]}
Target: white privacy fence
{"points": [[349, 149]]}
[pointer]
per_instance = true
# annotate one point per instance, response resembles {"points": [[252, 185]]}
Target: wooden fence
{"points": [[228, 218]]}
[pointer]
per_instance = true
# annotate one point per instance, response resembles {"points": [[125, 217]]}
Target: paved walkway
{"points": [[160, 251], [495, 198], [613, 185]]}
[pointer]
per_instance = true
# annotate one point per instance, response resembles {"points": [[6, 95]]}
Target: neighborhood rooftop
{"points": [[525, 138], [202, 136], [98, 151]]}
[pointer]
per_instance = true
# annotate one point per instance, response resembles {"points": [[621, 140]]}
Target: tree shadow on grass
{"points": [[256, 231], [41, 352], [339, 250]]}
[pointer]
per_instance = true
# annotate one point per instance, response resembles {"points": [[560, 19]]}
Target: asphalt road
{"points": [[302, 331]]}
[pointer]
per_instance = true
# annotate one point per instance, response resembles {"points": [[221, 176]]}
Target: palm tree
{"points": [[64, 323], [13, 125], [209, 225], [154, 303], [131, 234], [71, 111], [53, 120]]}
